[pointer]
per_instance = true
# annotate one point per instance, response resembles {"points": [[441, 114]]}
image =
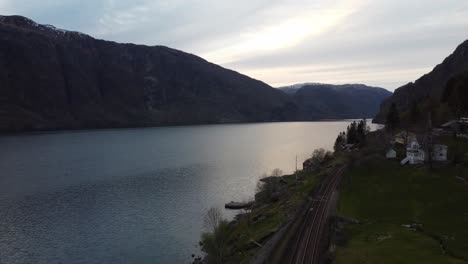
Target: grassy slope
{"points": [[241, 249], [241, 235], [385, 195]]}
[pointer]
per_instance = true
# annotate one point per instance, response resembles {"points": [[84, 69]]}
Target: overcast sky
{"points": [[383, 43]]}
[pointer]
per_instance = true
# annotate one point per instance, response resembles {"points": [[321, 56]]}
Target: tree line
{"points": [[355, 134]]}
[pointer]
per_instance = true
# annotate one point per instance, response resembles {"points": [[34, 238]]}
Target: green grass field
{"points": [[384, 196]]}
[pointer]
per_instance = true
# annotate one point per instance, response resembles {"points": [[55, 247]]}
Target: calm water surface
{"points": [[135, 195]]}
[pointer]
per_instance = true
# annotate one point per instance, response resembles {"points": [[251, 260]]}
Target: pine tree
{"points": [[415, 114], [340, 140], [361, 131], [351, 135], [393, 117]]}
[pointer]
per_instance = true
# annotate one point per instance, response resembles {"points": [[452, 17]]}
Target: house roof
{"points": [[440, 146], [449, 123], [402, 137], [413, 144]]}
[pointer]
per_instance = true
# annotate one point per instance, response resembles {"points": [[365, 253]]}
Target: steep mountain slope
{"points": [[56, 79], [326, 101], [429, 88], [455, 95]]}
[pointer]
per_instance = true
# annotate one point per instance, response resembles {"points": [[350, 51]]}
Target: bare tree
{"points": [[215, 242], [319, 156], [277, 173], [213, 218]]}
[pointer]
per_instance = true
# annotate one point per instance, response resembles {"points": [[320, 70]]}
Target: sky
{"points": [[385, 43]]}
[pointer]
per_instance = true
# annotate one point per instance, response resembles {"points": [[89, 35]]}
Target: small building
{"points": [[449, 124], [439, 152], [456, 126], [391, 154], [451, 127], [415, 154], [308, 165]]}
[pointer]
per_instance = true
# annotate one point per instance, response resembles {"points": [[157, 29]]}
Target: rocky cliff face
{"points": [[326, 101], [56, 79], [429, 87]]}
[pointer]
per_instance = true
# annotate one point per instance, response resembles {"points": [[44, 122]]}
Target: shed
{"points": [[391, 154], [449, 124], [308, 165], [457, 126]]}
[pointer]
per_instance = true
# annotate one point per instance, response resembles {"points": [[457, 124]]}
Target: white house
{"points": [[391, 154], [439, 153], [414, 153]]}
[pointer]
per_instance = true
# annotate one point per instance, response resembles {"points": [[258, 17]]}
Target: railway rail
{"points": [[305, 246]]}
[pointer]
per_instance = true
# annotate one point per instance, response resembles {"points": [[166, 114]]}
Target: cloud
{"points": [[378, 42], [5, 5], [407, 43], [282, 33]]}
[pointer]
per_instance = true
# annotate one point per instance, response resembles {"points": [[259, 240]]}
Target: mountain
{"points": [[292, 89], [327, 101], [427, 91], [57, 79]]}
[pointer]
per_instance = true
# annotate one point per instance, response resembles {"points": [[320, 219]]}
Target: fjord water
{"points": [[135, 195]]}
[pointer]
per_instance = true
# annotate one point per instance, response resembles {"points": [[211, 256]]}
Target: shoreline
{"points": [[270, 221], [97, 129]]}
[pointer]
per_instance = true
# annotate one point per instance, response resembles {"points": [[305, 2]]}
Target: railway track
{"points": [[305, 247]]}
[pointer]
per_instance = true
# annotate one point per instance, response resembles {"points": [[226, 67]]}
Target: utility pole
{"points": [[295, 173], [296, 162]]}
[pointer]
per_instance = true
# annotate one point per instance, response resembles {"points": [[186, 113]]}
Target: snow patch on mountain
{"points": [[24, 22]]}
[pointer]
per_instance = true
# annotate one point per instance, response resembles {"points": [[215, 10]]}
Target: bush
{"points": [[268, 186], [215, 242]]}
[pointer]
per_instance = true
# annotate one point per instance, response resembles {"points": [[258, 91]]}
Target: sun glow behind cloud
{"points": [[282, 34]]}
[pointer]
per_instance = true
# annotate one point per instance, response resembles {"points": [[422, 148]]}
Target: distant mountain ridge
{"points": [[292, 89], [328, 101], [427, 91], [57, 79]]}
